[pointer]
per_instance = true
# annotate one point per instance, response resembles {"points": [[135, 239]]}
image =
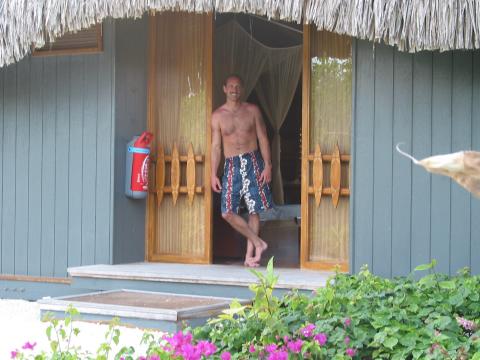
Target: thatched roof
{"points": [[412, 25]]}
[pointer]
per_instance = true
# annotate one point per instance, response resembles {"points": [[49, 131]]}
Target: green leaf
{"points": [[54, 346], [408, 340], [390, 342], [423, 267], [429, 266], [448, 285]]}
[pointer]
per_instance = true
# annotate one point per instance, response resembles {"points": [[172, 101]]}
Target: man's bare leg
{"points": [[239, 224], [254, 224]]}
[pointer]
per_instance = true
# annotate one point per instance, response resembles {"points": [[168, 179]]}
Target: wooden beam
{"points": [[44, 279], [304, 232], [208, 256], [151, 213]]}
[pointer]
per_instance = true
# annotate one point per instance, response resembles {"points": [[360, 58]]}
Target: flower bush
{"points": [[353, 317], [357, 316]]}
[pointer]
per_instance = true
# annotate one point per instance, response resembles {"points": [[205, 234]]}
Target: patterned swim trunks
{"points": [[241, 178]]}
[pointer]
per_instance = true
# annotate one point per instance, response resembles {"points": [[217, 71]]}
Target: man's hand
{"points": [[266, 175], [216, 184]]}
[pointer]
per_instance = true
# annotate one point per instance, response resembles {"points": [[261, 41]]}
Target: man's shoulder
{"points": [[218, 112]]}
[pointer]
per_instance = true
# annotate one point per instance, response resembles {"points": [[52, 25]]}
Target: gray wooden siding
{"points": [[130, 120], [56, 167], [402, 215]]}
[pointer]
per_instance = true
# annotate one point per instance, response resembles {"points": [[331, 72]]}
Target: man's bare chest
{"points": [[237, 125]]}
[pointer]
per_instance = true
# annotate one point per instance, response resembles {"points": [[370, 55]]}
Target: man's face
{"points": [[233, 88]]}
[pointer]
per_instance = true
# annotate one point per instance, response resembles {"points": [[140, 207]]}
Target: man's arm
{"points": [[264, 144], [216, 153]]}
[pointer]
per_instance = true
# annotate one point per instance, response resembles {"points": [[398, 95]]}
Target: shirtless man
{"points": [[247, 173]]}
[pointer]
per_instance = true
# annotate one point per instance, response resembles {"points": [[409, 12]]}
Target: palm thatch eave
{"points": [[411, 25]]}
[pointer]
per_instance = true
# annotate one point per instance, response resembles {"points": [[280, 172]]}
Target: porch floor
{"points": [[233, 275]]}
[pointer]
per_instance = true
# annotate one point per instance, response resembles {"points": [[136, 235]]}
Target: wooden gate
{"points": [[326, 132], [179, 108]]}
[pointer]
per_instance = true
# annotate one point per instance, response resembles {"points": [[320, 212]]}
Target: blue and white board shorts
{"points": [[241, 178]]}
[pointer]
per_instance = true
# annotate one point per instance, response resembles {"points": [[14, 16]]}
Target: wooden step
{"points": [[145, 309]]}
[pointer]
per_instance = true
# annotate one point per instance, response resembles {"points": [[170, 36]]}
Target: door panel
{"points": [[326, 134], [179, 208]]}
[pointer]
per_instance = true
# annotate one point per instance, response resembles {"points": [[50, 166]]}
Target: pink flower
{"points": [[142, 358], [225, 356], [13, 354], [295, 346], [321, 338], [351, 352], [206, 348], [286, 338], [307, 331], [347, 340], [151, 357], [251, 349], [278, 355], [271, 348], [190, 352], [347, 322], [466, 324], [28, 346]]}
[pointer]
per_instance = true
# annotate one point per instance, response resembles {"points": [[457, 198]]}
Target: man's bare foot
{"points": [[259, 250], [249, 262]]}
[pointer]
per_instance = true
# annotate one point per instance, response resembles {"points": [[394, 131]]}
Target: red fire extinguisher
{"points": [[138, 161]]}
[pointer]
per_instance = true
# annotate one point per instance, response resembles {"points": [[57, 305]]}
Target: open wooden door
{"points": [[326, 136], [179, 107]]}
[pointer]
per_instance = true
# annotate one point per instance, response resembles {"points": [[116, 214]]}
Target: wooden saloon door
{"points": [[326, 133], [179, 108]]}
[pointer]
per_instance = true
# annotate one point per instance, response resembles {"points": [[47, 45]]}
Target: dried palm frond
{"points": [[462, 166]]}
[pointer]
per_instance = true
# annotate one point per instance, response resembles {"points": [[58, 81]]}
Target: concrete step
{"points": [[191, 279]]}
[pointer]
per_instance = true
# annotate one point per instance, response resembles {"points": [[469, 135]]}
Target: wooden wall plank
{"points": [[2, 103], [475, 203], [21, 167], [131, 38], [421, 148], [35, 167], [8, 199], [75, 162], [402, 167], [461, 140], [382, 161], [48, 167], [105, 159], [62, 132], [89, 166], [363, 171], [441, 144]]}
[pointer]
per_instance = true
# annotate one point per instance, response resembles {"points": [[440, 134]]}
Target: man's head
{"points": [[233, 87]]}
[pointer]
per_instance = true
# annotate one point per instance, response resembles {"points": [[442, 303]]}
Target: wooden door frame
{"points": [[151, 213], [305, 262]]}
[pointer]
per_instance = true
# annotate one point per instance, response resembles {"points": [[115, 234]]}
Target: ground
{"points": [[21, 323]]}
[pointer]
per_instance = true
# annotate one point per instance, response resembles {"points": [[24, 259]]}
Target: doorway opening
{"points": [[268, 56]]}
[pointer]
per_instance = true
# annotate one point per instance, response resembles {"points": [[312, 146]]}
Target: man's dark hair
{"points": [[233, 76]]}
